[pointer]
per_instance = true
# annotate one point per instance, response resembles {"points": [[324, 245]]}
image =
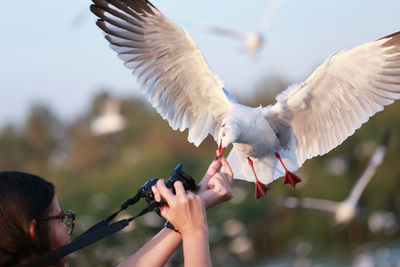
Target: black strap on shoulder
{"points": [[85, 241], [95, 233], [90, 238]]}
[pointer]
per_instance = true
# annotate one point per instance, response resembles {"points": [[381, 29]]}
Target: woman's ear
{"points": [[32, 229]]}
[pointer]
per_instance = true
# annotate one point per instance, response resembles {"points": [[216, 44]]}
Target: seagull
{"points": [[346, 210], [308, 119], [110, 120], [254, 40]]}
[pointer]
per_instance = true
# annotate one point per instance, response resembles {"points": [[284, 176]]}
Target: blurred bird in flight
{"points": [[308, 119], [344, 211], [110, 121], [253, 41]]}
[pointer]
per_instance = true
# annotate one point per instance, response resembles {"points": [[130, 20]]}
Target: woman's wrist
{"points": [[195, 237], [194, 232], [196, 247]]}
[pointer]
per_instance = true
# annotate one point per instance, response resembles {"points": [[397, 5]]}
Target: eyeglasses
{"points": [[67, 217]]}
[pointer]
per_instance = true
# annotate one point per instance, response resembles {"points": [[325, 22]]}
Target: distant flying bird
{"points": [[346, 210], [254, 40], [308, 119], [110, 121]]}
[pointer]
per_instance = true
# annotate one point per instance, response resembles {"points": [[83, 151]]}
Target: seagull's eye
{"points": [[223, 125]]}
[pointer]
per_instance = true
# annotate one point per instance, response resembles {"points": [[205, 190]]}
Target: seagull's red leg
{"points": [[290, 178], [261, 188]]}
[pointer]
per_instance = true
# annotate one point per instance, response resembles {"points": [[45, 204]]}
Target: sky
{"points": [[52, 52]]}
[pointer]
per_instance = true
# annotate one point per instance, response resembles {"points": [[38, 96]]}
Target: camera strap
{"points": [[100, 230], [105, 222]]}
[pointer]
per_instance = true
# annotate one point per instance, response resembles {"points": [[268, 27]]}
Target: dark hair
{"points": [[23, 197]]}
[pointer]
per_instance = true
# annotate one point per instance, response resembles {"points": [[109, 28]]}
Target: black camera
{"points": [[177, 175]]}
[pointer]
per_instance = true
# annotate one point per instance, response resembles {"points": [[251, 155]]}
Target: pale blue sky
{"points": [[46, 57]]}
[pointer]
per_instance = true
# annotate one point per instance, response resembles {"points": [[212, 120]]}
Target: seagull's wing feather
{"points": [[269, 13], [374, 162], [169, 66], [340, 96]]}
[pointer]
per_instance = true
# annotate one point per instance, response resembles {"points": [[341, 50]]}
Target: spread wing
{"points": [[340, 96], [169, 66], [269, 13]]}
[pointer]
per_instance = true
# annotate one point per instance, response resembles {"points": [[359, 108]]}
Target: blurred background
{"points": [[74, 115]]}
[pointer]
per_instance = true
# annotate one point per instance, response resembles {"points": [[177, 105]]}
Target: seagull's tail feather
{"points": [[267, 168], [240, 167]]}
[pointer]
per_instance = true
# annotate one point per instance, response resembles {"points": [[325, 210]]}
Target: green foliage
{"points": [[95, 174]]}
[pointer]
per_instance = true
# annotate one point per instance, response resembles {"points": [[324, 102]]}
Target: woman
{"points": [[32, 223], [26, 201]]}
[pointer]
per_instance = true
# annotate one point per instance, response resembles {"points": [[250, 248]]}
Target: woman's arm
{"points": [[156, 251], [196, 249], [186, 211]]}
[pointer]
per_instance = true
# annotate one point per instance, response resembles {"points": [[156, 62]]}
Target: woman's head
{"points": [[24, 198]]}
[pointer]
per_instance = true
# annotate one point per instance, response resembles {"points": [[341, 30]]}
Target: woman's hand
{"points": [[216, 187], [185, 210]]}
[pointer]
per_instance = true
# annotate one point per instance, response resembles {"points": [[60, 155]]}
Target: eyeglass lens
{"points": [[68, 220]]}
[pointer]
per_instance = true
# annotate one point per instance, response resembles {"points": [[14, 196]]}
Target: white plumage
{"points": [[308, 119]]}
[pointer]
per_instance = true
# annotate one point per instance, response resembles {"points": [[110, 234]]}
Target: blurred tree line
{"points": [[95, 174]]}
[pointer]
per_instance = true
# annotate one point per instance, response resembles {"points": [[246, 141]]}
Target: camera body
{"points": [[177, 175]]}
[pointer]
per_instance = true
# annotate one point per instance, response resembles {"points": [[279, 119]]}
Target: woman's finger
{"points": [[212, 169], [179, 189], [218, 181], [165, 192], [156, 193], [220, 184], [227, 169]]}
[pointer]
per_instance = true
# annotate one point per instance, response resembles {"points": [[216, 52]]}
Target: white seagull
{"points": [[346, 210], [254, 40], [110, 121], [308, 119]]}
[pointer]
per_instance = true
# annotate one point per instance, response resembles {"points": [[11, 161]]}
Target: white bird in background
{"points": [[254, 40], [308, 119], [346, 210], [110, 121]]}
